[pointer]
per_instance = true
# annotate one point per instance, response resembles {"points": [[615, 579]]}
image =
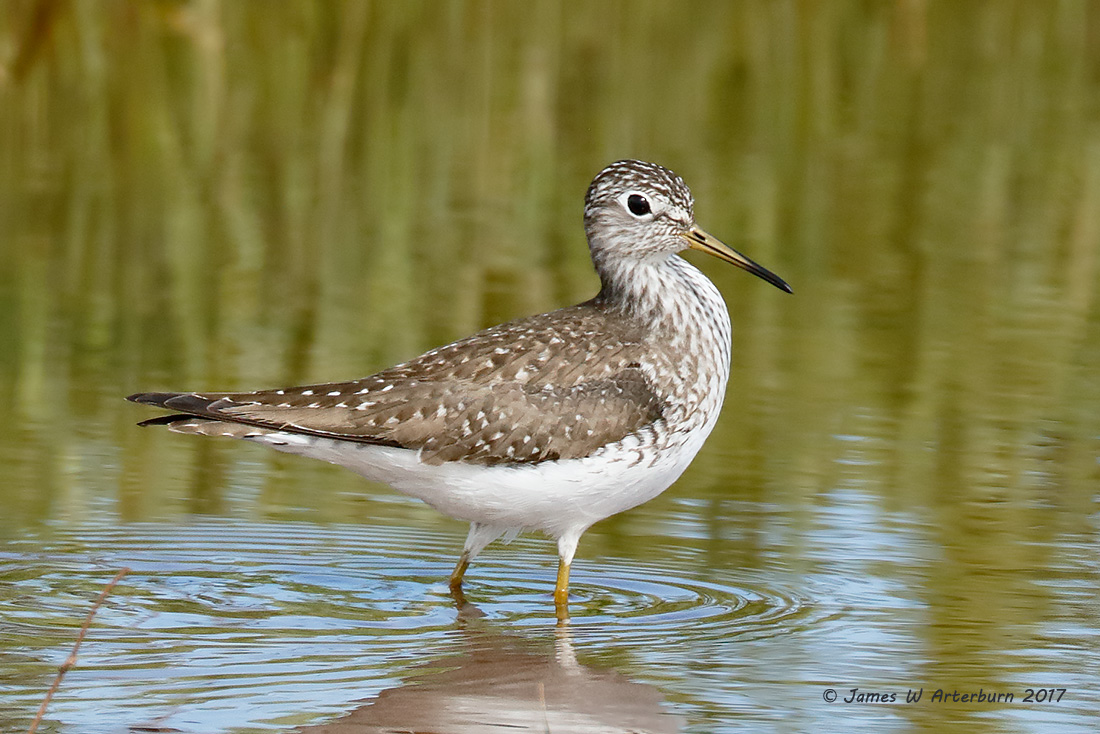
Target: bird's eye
{"points": [[638, 205]]}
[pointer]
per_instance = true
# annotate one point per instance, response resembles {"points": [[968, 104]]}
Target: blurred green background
{"points": [[220, 195], [231, 195]]}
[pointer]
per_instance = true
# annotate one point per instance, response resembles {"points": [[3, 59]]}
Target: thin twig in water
{"points": [[71, 660], [542, 701]]}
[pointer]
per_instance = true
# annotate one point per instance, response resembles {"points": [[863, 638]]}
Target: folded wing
{"points": [[529, 391]]}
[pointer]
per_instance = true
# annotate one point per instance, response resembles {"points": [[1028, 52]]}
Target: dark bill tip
{"points": [[699, 240]]}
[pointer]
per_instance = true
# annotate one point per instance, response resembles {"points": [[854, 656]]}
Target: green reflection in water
{"points": [[232, 195]]}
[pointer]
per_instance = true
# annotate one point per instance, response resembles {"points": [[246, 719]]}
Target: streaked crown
{"points": [[631, 174]]}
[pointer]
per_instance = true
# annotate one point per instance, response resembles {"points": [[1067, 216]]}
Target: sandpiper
{"points": [[551, 422]]}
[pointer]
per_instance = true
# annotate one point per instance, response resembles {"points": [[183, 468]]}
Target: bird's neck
{"points": [[667, 294]]}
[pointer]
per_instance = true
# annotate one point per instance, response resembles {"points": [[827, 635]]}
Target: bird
{"points": [[549, 423]]}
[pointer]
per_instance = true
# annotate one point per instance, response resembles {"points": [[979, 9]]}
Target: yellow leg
{"points": [[459, 572], [456, 579], [561, 592]]}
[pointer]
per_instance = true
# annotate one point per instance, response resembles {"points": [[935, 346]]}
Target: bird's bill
{"points": [[699, 240]]}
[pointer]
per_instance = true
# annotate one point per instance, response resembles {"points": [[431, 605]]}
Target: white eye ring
{"points": [[638, 205]]}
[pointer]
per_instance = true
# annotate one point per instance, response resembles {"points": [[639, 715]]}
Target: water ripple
{"points": [[223, 611]]}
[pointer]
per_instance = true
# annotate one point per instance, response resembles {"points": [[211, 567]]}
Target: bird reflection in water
{"points": [[512, 684]]}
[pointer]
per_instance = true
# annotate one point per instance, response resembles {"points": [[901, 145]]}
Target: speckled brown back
{"points": [[554, 386]]}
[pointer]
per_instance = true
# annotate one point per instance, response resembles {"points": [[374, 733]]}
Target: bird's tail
{"points": [[192, 424]]}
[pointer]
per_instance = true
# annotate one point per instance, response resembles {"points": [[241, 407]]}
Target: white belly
{"points": [[555, 497]]}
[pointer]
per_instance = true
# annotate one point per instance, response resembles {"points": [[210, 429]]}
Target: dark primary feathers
{"points": [[553, 386]]}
